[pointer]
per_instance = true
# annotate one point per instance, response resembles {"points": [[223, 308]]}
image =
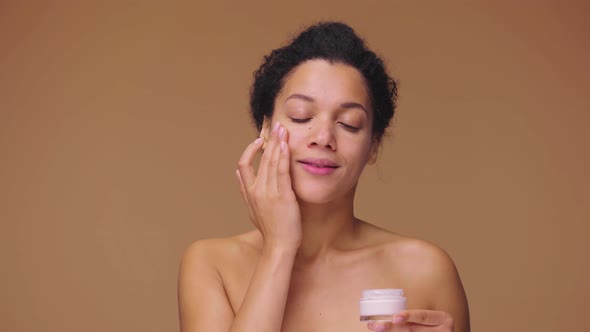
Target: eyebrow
{"points": [[347, 105]]}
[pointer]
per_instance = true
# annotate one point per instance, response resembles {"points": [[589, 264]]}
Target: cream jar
{"points": [[381, 304]]}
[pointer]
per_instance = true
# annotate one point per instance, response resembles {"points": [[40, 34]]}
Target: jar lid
{"points": [[382, 293]]}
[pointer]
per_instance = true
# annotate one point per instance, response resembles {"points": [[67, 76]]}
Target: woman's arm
{"points": [[441, 280], [264, 303], [273, 208], [204, 306], [202, 303], [433, 279]]}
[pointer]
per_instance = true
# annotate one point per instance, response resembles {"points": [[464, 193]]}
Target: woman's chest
{"points": [[324, 305], [322, 299]]}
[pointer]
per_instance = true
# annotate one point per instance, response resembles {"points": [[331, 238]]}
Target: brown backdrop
{"points": [[121, 124]]}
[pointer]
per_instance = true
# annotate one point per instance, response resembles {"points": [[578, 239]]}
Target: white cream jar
{"points": [[381, 304]]}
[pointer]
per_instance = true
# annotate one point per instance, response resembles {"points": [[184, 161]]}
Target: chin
{"points": [[313, 198], [314, 193]]}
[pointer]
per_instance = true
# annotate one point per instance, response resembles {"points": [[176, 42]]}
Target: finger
{"points": [[273, 167], [379, 326], [283, 176], [422, 317], [267, 156], [247, 174], [244, 194], [242, 187]]}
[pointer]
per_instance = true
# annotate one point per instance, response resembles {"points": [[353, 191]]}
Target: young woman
{"points": [[322, 105]]}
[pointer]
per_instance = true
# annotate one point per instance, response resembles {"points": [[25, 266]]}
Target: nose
{"points": [[321, 135]]}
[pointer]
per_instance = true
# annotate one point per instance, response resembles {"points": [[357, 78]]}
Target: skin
{"points": [[307, 262]]}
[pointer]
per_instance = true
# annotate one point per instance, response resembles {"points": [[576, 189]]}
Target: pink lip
{"points": [[318, 166]]}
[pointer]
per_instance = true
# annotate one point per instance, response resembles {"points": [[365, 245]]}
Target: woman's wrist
{"points": [[281, 250]]}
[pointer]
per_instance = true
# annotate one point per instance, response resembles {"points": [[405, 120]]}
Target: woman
{"points": [[322, 105]]}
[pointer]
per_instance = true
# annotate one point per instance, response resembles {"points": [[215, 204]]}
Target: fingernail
{"points": [[379, 327], [397, 319], [282, 132], [258, 140], [276, 126]]}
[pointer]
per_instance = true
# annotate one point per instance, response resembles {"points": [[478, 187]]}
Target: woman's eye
{"points": [[349, 127], [296, 120]]}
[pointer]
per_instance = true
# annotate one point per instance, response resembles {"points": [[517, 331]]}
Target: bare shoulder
{"points": [[417, 257], [428, 274], [202, 280], [422, 258], [433, 279], [218, 250]]}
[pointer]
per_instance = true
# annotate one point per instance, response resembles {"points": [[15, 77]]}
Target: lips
{"points": [[318, 166], [320, 163]]}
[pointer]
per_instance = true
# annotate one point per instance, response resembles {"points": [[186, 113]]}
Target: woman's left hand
{"points": [[416, 321]]}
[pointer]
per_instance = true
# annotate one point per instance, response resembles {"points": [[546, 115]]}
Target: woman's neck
{"points": [[325, 227]]}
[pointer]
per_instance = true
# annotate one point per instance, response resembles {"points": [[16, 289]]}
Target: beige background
{"points": [[121, 123]]}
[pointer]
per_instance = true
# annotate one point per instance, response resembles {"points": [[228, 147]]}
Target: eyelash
{"points": [[346, 126], [299, 120], [349, 127]]}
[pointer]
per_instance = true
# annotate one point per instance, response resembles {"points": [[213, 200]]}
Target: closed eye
{"points": [[349, 127], [296, 120]]}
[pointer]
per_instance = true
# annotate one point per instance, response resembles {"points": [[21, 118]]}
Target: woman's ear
{"points": [[374, 152], [265, 131]]}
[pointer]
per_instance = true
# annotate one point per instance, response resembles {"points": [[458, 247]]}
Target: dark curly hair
{"points": [[334, 42]]}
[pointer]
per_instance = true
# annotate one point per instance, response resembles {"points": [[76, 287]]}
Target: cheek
{"points": [[297, 135], [360, 152]]}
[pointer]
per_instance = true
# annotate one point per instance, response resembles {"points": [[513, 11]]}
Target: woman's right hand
{"points": [[270, 198]]}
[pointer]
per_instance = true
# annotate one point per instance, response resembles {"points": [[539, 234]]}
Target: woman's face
{"points": [[327, 113]]}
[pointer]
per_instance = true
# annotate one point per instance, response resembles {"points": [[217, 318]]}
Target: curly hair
{"points": [[334, 42]]}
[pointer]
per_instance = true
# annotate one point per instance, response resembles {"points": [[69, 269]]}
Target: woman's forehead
{"points": [[325, 82]]}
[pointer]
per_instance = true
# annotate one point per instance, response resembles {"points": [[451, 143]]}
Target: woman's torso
{"points": [[324, 293]]}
